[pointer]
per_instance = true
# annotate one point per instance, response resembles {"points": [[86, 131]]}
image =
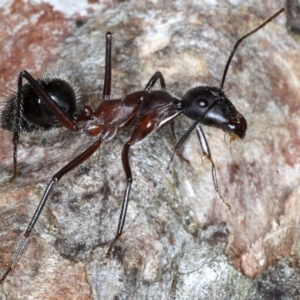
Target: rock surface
{"points": [[176, 244]]}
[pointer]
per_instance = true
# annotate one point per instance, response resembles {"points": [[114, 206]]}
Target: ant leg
{"points": [[70, 166], [145, 126], [88, 113], [157, 75], [61, 116], [16, 137], [207, 154], [107, 75]]}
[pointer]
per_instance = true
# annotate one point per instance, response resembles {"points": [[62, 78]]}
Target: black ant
{"points": [[48, 103]]}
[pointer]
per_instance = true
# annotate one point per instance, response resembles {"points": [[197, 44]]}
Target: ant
{"points": [[45, 104]]}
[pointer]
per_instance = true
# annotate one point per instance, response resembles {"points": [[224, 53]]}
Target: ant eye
{"points": [[202, 102]]}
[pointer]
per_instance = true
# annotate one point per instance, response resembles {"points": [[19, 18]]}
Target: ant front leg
{"points": [[145, 126], [207, 154]]}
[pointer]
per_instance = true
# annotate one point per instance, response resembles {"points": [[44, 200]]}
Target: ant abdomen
{"points": [[34, 113]]}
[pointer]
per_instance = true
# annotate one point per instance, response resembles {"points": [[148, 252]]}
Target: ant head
{"points": [[214, 108], [210, 106]]}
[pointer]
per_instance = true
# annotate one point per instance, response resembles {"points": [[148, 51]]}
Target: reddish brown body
{"points": [[153, 109]]}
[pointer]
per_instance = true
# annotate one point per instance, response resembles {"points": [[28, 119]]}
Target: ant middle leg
{"points": [[157, 75], [145, 127]]}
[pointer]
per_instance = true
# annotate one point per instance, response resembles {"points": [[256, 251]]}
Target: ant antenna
{"points": [[241, 39], [185, 136]]}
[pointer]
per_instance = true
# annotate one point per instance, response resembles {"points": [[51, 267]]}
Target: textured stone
{"points": [[173, 247]]}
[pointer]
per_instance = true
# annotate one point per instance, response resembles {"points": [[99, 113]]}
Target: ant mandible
{"points": [[45, 104]]}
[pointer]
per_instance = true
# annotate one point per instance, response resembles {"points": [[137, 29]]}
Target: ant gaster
{"points": [[48, 103]]}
